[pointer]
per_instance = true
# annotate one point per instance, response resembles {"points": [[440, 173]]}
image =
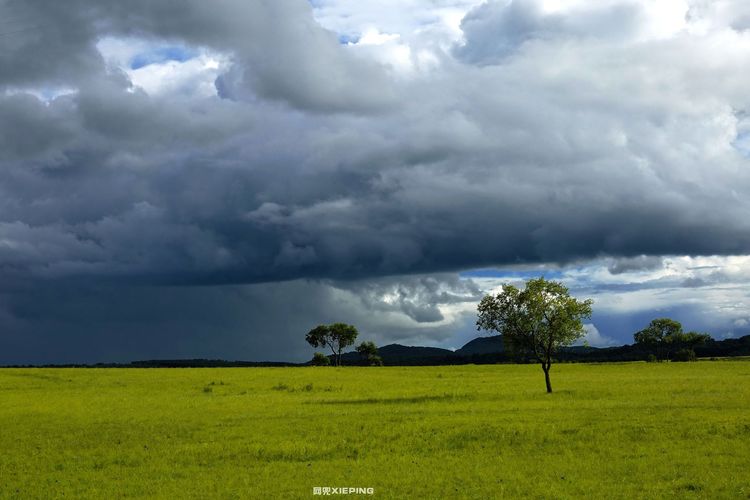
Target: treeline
{"points": [[482, 350], [429, 356]]}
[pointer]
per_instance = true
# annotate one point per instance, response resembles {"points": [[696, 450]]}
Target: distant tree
{"points": [[336, 336], [535, 321], [664, 335], [375, 360], [369, 352], [658, 334], [684, 355], [692, 339], [320, 359]]}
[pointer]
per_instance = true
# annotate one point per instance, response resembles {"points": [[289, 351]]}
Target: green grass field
{"points": [[636, 430]]}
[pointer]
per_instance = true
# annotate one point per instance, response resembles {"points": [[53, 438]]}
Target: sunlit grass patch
{"points": [[635, 430]]}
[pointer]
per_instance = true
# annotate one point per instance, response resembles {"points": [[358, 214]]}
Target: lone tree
{"points": [[664, 335], [535, 321], [369, 352], [336, 336]]}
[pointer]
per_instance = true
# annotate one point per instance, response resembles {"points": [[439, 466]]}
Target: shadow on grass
{"points": [[401, 400], [37, 376]]}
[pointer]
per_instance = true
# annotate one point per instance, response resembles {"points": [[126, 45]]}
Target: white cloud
{"points": [[192, 78], [595, 339], [404, 17], [407, 36], [709, 292], [372, 36]]}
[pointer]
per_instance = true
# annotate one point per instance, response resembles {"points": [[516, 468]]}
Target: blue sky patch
{"points": [[160, 55], [742, 143], [345, 39]]}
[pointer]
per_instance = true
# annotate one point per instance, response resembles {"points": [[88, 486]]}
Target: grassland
{"points": [[631, 430]]}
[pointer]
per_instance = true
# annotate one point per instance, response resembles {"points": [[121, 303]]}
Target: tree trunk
{"points": [[546, 377]]}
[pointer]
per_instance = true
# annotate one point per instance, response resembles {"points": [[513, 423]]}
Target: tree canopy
{"points": [[336, 336], [535, 321], [665, 335], [369, 352]]}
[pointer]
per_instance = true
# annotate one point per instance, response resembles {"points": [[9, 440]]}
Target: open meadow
{"points": [[634, 430]]}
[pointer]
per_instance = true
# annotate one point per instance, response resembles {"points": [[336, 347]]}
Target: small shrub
{"points": [[280, 387], [320, 359], [651, 359], [208, 389], [684, 355], [375, 360]]}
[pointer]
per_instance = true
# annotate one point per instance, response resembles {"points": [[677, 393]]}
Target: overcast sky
{"points": [[214, 180]]}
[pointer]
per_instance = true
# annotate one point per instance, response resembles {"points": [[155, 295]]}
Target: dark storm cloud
{"points": [[639, 263], [520, 163], [543, 137], [90, 322], [94, 322]]}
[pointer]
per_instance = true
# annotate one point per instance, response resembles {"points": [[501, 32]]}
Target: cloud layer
{"points": [[257, 142]]}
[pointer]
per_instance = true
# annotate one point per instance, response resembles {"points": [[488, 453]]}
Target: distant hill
{"points": [[482, 345], [397, 354], [484, 350], [406, 352], [495, 345]]}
